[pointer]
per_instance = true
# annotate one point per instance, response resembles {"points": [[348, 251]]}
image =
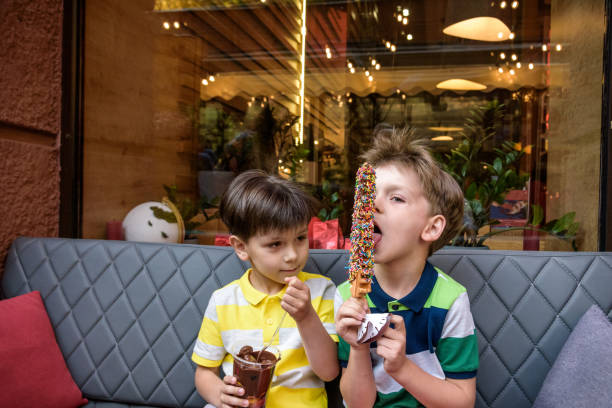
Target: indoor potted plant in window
{"points": [[487, 179], [187, 209]]}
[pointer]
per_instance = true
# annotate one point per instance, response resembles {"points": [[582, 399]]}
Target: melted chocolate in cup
{"points": [[255, 376]]}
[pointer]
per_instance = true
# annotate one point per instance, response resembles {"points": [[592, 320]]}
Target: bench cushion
{"points": [[581, 376], [33, 371]]}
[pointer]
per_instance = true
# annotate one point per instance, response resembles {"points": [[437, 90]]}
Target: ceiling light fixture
{"points": [[479, 28], [461, 85], [442, 139]]}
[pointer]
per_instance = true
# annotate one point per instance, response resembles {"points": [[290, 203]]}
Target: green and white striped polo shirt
{"points": [[441, 336]]}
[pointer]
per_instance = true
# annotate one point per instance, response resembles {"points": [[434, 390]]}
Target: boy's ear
{"points": [[239, 247], [434, 228]]}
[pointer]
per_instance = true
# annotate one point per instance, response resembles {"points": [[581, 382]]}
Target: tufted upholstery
{"points": [[126, 314]]}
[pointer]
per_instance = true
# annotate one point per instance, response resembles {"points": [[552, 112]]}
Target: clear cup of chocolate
{"points": [[254, 371]]}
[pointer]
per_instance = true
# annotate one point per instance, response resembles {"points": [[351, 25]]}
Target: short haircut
{"points": [[403, 147], [257, 202]]}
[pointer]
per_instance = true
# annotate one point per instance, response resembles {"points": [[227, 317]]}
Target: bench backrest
{"points": [[126, 314]]}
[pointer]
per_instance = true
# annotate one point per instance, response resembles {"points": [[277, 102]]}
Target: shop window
{"points": [[188, 93]]}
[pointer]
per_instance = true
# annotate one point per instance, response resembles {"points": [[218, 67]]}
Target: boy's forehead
{"points": [[394, 169], [272, 232]]}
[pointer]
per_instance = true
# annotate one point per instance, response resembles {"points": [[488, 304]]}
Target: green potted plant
{"points": [[187, 209], [486, 178]]}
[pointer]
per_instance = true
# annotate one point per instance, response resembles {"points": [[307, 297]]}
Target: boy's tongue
{"points": [[377, 236]]}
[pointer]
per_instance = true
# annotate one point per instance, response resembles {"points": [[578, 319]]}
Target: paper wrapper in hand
{"points": [[373, 326]]}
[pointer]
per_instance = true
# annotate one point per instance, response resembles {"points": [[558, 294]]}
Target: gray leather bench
{"points": [[144, 303]]}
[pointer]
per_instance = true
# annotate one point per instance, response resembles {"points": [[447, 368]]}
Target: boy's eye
{"points": [[397, 199], [274, 244], [302, 237]]}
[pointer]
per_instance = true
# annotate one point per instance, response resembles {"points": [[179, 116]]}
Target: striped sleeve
{"points": [[208, 350], [322, 291], [457, 348], [343, 348]]}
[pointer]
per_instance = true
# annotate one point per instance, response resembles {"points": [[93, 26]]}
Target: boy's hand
{"points": [[348, 319], [392, 345], [231, 393], [296, 300]]}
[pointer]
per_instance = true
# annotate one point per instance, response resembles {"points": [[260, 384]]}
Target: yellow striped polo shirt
{"points": [[238, 314]]}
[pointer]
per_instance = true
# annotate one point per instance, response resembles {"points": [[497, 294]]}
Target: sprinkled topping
{"points": [[361, 264]]}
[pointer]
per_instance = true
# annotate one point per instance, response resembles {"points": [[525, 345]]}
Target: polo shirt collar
{"points": [[252, 295], [415, 300]]}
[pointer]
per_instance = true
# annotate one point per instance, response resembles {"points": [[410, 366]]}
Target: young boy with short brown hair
{"points": [[429, 355], [268, 221]]}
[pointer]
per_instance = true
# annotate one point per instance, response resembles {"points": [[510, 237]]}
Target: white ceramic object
{"points": [[141, 225]]}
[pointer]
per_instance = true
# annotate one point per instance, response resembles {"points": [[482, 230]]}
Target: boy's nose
{"points": [[377, 206], [290, 254]]}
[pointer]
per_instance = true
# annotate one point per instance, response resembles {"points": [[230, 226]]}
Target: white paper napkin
{"points": [[373, 326]]}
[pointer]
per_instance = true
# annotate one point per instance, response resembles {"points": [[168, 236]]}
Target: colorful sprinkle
{"points": [[361, 264]]}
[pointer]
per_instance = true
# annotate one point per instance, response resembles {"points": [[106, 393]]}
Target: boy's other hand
{"points": [[348, 319], [296, 300], [231, 393], [392, 345]]}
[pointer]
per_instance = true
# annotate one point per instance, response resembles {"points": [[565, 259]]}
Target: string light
{"points": [[502, 55], [558, 47], [166, 25], [513, 57], [514, 4], [544, 47], [377, 67], [502, 4], [530, 65], [177, 25], [393, 48], [518, 64], [511, 36], [409, 37], [500, 70], [204, 81], [405, 12]]}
